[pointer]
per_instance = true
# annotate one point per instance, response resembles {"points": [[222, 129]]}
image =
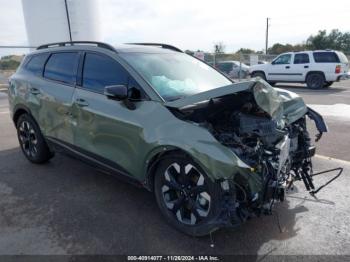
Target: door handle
{"points": [[306, 66], [81, 102], [34, 91], [287, 67]]}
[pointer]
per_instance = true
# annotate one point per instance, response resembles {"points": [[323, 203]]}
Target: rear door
{"points": [[55, 89], [280, 68], [106, 129], [300, 67]]}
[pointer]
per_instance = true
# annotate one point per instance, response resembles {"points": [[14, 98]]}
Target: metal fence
{"points": [[236, 65]]}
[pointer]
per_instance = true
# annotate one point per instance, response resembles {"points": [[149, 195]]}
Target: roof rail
{"points": [[99, 44], [166, 46]]}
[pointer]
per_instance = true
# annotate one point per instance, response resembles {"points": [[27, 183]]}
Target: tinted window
{"points": [[326, 57], [36, 64], [283, 59], [225, 67], [301, 59], [100, 71], [62, 67]]}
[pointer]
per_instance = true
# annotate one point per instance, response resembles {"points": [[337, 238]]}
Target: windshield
{"points": [[175, 75]]}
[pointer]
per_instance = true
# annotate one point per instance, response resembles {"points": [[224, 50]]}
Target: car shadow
{"points": [[87, 212]]}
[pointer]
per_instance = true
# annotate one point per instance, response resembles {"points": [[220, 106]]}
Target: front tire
{"points": [[259, 74], [315, 81], [187, 198], [31, 140]]}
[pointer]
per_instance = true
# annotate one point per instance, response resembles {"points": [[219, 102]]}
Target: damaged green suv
{"points": [[213, 152]]}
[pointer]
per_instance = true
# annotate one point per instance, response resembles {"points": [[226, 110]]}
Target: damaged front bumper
{"points": [[234, 212]]}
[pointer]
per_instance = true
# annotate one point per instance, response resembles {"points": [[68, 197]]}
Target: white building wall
{"points": [[46, 20]]}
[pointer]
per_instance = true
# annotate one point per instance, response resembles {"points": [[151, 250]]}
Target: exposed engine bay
{"points": [[280, 152]]}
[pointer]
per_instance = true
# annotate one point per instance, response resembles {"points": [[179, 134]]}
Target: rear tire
{"points": [[259, 74], [315, 81], [187, 198], [327, 84], [31, 140]]}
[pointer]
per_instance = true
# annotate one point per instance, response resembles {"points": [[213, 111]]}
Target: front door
{"points": [[105, 129], [280, 68]]}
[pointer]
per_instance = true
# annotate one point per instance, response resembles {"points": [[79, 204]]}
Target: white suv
{"points": [[315, 68]]}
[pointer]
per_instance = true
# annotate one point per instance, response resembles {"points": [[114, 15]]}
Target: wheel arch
{"points": [[258, 71], [157, 157], [315, 72], [19, 110]]}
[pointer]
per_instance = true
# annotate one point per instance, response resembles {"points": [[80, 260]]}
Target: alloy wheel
{"points": [[28, 139], [185, 193], [316, 81]]}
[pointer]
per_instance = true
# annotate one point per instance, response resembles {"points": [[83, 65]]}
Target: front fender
{"points": [[218, 161]]}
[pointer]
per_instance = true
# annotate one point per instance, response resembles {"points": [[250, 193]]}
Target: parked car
{"points": [[317, 69], [233, 69], [213, 152]]}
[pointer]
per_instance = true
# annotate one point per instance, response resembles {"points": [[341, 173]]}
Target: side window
{"points": [[62, 67], [36, 64], [225, 67], [282, 60], [100, 71], [326, 57], [301, 58]]}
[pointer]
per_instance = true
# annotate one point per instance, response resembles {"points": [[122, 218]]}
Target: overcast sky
{"points": [[192, 24]]}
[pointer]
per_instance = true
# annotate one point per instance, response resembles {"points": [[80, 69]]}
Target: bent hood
{"points": [[278, 103]]}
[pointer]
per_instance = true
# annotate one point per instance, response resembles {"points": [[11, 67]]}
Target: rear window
{"points": [[326, 57], [342, 57], [36, 64], [62, 67], [301, 58]]}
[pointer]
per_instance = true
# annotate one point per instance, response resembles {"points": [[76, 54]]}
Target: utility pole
{"points": [[68, 20], [267, 35]]}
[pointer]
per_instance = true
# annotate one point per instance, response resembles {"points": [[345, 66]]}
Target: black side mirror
{"points": [[117, 92]]}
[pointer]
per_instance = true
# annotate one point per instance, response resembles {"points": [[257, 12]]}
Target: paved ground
{"points": [[65, 207]]}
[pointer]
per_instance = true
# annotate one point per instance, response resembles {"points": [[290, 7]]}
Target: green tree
{"points": [[8, 64], [245, 51], [334, 40]]}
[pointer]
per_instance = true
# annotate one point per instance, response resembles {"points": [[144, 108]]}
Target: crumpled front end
{"points": [[265, 128]]}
